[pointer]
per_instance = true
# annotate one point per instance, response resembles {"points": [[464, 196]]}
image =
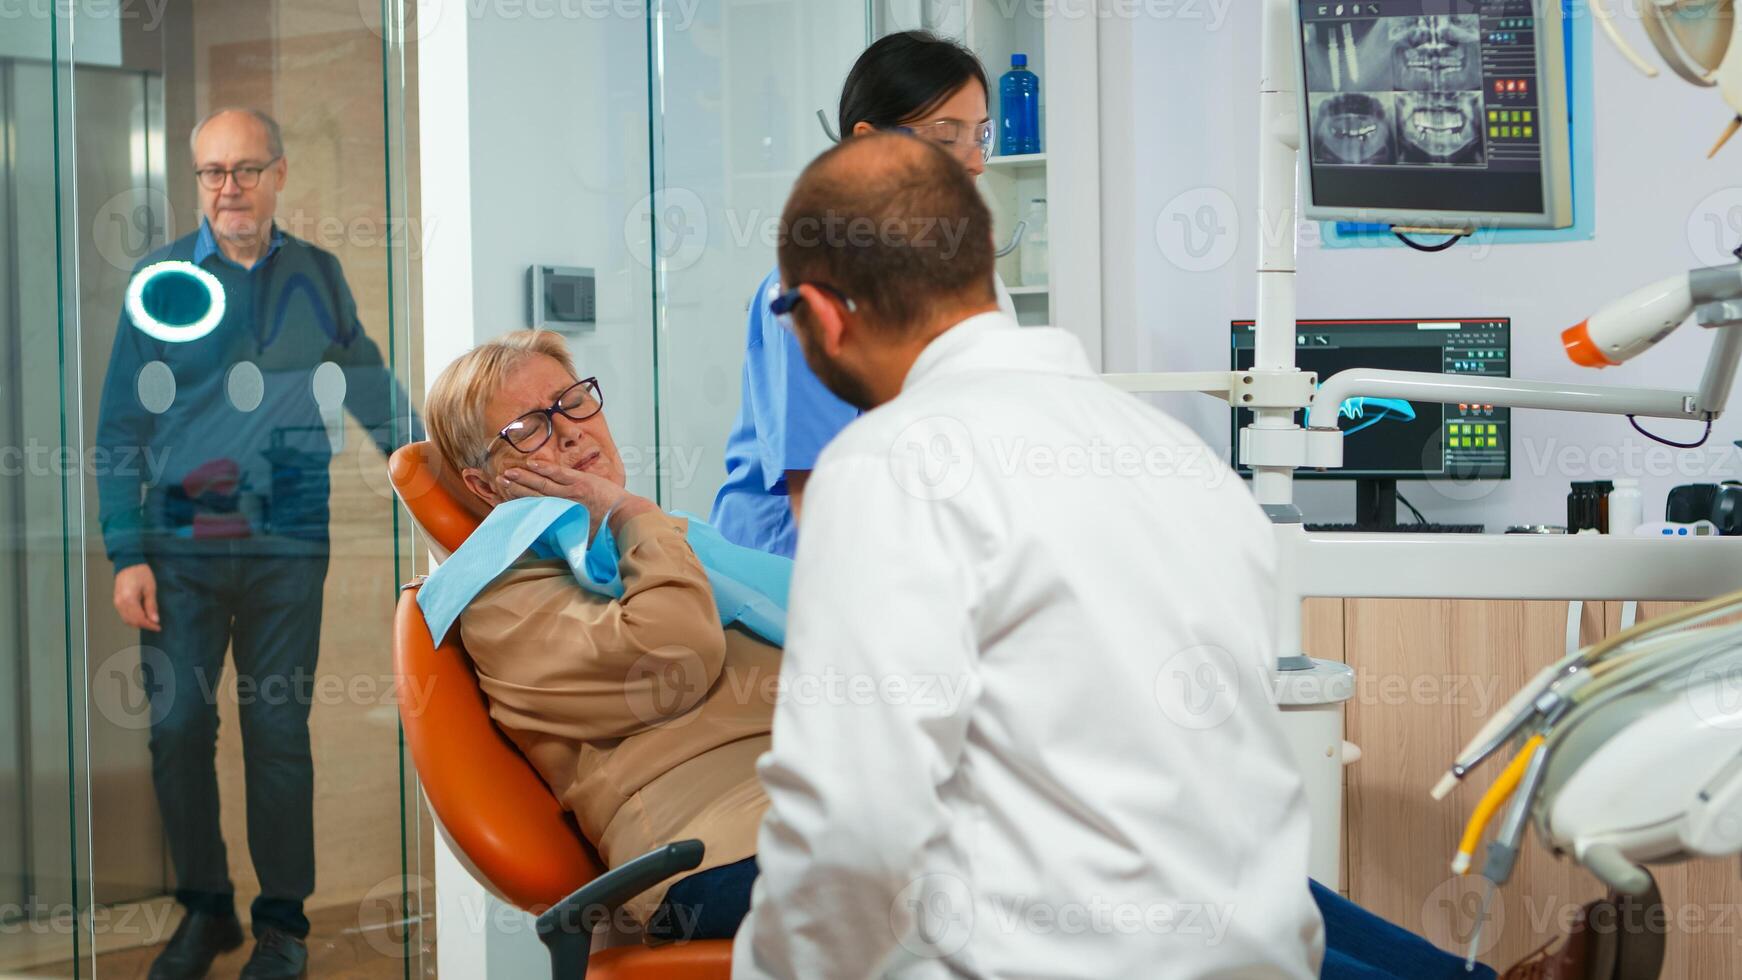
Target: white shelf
{"points": [[1027, 290], [1018, 161]]}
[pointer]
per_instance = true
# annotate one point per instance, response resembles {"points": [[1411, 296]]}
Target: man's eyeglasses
{"points": [[959, 138], [783, 305], [578, 403], [247, 177]]}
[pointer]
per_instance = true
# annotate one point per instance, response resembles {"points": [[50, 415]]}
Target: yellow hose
{"points": [[1492, 800]]}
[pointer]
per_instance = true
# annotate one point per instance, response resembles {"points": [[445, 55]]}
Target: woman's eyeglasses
{"points": [[578, 403]]}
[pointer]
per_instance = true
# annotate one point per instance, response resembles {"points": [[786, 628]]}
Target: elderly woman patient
{"points": [[643, 714]]}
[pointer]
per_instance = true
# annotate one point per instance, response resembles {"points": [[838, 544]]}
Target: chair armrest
{"points": [[566, 928]]}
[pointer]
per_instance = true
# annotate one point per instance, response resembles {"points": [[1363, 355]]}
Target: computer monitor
{"points": [[1435, 113], [1384, 439]]}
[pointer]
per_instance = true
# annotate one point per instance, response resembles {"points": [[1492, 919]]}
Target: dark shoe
{"points": [[278, 955], [196, 943]]}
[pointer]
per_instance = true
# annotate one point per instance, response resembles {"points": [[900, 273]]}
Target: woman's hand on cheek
{"points": [[537, 478]]}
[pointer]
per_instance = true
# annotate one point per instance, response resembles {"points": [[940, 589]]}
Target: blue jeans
{"points": [[1358, 944], [705, 905], [267, 610]]}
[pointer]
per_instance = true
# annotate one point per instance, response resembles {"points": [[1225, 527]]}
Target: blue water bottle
{"points": [[1019, 109]]}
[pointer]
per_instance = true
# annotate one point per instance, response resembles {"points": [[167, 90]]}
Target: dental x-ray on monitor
{"points": [[1435, 113]]}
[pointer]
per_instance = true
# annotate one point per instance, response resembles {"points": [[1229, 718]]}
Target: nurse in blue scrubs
{"points": [[913, 82]]}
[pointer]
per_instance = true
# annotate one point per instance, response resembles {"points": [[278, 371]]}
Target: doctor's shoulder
{"points": [[923, 447]]}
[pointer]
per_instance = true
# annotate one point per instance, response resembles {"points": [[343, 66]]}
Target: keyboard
{"points": [[1400, 528]]}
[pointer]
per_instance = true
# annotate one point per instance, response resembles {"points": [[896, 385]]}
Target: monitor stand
{"points": [[1376, 503]]}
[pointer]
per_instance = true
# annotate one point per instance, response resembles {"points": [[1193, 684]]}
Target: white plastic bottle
{"points": [[1034, 244], [1626, 507]]}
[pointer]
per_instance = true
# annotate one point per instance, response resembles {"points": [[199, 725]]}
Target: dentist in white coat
{"points": [[1024, 727]]}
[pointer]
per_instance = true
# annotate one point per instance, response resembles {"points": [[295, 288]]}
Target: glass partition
{"points": [[740, 84], [200, 551]]}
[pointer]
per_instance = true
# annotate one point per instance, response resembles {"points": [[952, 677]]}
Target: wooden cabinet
{"points": [[1428, 673]]}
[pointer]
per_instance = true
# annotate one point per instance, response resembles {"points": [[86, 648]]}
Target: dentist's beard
{"points": [[834, 377]]}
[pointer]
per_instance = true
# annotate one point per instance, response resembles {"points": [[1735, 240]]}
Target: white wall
{"points": [[535, 150], [1179, 137]]}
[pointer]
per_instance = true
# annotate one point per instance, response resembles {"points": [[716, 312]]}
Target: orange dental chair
{"points": [[495, 811]]}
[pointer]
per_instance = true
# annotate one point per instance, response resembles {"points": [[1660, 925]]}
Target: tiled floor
{"points": [[338, 950]]}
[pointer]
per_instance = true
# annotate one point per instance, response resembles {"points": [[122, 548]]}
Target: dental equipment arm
{"points": [[1633, 324], [1619, 331]]}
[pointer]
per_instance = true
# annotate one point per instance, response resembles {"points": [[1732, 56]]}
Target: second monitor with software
{"points": [[1385, 440]]}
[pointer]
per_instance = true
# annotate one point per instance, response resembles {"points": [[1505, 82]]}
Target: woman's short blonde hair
{"points": [[454, 410]]}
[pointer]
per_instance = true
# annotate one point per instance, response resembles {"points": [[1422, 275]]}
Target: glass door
{"points": [[199, 551], [740, 85]]}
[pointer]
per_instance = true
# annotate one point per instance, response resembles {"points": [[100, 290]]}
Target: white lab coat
{"points": [[1024, 726], [1002, 294]]}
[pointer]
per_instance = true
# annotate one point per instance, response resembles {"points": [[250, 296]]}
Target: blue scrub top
{"points": [[786, 418]]}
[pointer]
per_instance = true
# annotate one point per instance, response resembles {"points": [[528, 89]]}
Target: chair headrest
{"points": [[441, 505]]}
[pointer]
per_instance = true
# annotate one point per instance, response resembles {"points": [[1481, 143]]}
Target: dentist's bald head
{"points": [[887, 244], [894, 223]]}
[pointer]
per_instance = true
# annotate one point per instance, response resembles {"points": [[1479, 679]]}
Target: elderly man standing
{"points": [[1051, 752], [227, 547]]}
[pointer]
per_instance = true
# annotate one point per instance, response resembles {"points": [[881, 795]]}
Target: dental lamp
{"points": [[1633, 324], [1697, 40]]}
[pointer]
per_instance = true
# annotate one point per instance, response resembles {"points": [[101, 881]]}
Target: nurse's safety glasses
{"points": [[959, 138], [783, 305]]}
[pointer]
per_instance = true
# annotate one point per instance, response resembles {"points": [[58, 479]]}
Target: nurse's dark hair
{"points": [[895, 224], [901, 77]]}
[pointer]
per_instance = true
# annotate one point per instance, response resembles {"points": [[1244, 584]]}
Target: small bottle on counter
{"points": [[1626, 507], [1603, 489], [1578, 508]]}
